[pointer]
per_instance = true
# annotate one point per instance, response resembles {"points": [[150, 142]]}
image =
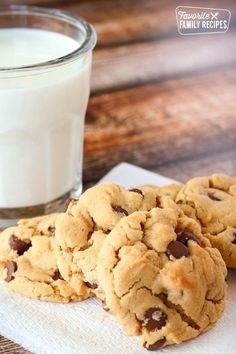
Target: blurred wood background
{"points": [[160, 100]]}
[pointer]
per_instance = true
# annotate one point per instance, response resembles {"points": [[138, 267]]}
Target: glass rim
{"points": [[87, 45]]}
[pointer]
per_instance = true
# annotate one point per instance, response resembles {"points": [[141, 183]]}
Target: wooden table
{"points": [[159, 100]]}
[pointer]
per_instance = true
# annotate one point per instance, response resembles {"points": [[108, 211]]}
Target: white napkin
{"points": [[85, 328]]}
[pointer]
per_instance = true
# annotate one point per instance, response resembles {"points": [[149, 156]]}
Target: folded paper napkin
{"points": [[85, 328]]}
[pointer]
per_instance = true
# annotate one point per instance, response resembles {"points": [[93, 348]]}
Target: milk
{"points": [[41, 117]]}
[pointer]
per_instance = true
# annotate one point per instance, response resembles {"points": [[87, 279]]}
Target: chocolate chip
{"points": [[186, 236], [154, 319], [91, 285], [136, 190], [52, 229], [57, 276], [158, 202], [158, 344], [18, 245], [179, 201], [234, 241], [163, 295], [177, 249], [214, 197], [120, 210], [11, 269]]}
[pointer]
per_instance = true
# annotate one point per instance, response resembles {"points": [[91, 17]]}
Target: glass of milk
{"points": [[45, 64]]}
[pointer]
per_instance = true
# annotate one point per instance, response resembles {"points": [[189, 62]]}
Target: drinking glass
{"points": [[42, 110]]}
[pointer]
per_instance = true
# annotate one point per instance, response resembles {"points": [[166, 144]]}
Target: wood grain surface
{"points": [[162, 123], [159, 100]]}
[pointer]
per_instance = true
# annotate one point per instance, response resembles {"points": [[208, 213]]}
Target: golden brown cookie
{"points": [[161, 278], [28, 263], [80, 232], [212, 201]]}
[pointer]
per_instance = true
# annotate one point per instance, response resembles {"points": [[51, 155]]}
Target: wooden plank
{"points": [[123, 21], [202, 165], [129, 65], [8, 347], [31, 2], [161, 123], [183, 170]]}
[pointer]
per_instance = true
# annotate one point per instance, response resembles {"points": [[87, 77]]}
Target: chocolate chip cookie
{"points": [[81, 230], [28, 264], [212, 201], [161, 278]]}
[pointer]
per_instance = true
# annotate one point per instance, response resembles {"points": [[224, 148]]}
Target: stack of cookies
{"points": [[154, 256]]}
